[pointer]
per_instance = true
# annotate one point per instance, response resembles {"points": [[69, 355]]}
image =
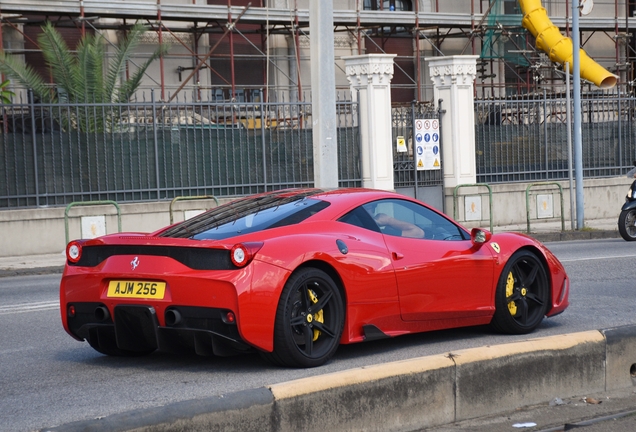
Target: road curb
{"points": [[246, 410], [501, 378], [409, 394]]}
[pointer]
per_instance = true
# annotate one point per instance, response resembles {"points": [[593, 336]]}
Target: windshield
{"points": [[246, 216]]}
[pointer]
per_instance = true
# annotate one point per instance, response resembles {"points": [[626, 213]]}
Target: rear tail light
{"points": [[74, 251], [242, 253]]}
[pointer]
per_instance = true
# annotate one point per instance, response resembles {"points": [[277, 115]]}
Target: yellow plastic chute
{"points": [[560, 48]]}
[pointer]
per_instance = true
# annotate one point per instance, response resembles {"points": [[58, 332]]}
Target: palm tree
{"points": [[5, 95], [82, 76]]}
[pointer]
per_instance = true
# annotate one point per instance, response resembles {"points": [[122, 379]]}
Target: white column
{"points": [[453, 78], [323, 95], [370, 79]]}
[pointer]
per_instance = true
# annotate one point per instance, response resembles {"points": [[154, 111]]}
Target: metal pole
{"points": [[231, 42], [416, 42], [414, 153], [578, 135], [568, 114], [161, 63], [440, 113]]}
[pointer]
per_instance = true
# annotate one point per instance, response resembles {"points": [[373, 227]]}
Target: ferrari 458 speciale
{"points": [[292, 274]]}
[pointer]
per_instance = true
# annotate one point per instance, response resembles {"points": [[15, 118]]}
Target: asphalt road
{"points": [[50, 379]]}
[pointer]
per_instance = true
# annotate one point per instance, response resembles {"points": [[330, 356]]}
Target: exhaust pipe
{"points": [[173, 317], [560, 48], [101, 313]]}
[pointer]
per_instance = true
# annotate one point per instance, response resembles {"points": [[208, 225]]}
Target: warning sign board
{"points": [[427, 150]]}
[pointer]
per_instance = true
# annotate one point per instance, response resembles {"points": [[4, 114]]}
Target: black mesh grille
{"points": [[195, 258]]}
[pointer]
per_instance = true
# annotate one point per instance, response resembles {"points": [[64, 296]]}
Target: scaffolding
{"points": [[237, 33]]}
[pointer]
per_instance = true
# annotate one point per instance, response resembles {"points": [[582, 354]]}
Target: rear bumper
{"points": [[135, 328]]}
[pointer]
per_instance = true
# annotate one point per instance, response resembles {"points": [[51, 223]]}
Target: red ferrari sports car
{"points": [[294, 273]]}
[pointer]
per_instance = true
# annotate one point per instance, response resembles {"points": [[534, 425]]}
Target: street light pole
{"points": [[578, 135]]}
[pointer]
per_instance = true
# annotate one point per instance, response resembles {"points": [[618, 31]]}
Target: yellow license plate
{"points": [[136, 289]]}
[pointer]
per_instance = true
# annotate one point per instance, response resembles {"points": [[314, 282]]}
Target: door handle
{"points": [[397, 256]]}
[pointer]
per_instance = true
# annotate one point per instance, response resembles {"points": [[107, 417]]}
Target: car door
{"points": [[440, 274]]}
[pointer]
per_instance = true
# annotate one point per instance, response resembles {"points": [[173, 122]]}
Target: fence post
{"points": [[154, 130], [263, 141], [620, 129], [413, 141], [440, 114], [36, 176]]}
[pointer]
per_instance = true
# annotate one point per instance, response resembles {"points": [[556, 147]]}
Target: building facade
{"points": [[238, 50]]}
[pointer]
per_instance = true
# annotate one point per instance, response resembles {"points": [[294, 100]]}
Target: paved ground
{"points": [[605, 412]]}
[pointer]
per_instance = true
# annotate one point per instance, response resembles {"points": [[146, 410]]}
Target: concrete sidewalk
{"points": [[544, 232]]}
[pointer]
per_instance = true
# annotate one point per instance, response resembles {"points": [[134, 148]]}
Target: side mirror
{"points": [[480, 236]]}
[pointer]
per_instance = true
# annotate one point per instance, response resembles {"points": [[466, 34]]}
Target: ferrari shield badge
{"points": [[496, 247]]}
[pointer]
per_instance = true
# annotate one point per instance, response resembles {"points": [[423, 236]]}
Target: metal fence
{"points": [[405, 173], [149, 150], [526, 139]]}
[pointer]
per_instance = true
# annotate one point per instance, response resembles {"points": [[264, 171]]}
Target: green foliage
{"points": [[82, 76], [5, 95]]}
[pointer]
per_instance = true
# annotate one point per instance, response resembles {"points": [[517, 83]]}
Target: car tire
{"points": [[522, 296], [309, 320]]}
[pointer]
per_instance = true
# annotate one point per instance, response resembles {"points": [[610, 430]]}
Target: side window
{"points": [[408, 219], [360, 218]]}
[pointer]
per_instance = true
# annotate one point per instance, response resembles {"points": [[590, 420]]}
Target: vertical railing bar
{"points": [[263, 142], [35, 150], [156, 142]]}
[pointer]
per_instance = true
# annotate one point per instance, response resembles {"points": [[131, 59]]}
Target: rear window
{"points": [[247, 216]]}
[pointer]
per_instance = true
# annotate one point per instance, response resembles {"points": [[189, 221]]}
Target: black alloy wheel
{"points": [[309, 320], [627, 224], [523, 294]]}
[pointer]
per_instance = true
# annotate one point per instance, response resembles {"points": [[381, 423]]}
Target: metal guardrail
{"points": [[90, 203], [528, 202], [486, 185], [185, 198]]}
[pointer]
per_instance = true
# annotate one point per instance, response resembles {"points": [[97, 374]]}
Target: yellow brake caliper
{"points": [[318, 316], [510, 285]]}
